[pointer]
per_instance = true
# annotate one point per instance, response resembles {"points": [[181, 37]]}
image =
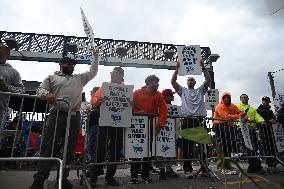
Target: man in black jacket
{"points": [[266, 134]]}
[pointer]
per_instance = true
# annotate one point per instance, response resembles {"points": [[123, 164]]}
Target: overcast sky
{"points": [[247, 37]]}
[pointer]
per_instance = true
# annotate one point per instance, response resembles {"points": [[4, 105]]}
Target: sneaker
{"points": [[229, 172], [146, 179], [273, 170], [37, 184], [133, 180], [171, 174], [111, 181], [179, 168], [188, 175]]}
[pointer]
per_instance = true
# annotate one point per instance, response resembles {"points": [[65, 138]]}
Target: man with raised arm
{"points": [[192, 109], [63, 84]]}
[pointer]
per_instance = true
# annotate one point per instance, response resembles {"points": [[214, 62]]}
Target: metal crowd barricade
{"points": [[16, 141], [196, 152], [242, 144], [104, 154]]}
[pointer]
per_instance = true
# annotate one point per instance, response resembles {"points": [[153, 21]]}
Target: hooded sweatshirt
{"points": [[230, 112]]}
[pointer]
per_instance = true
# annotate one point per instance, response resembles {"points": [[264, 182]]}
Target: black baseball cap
{"points": [[266, 98], [67, 60]]}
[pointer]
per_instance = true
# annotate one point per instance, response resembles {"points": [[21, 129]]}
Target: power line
{"points": [[278, 70]]}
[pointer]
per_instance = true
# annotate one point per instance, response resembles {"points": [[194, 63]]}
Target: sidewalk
{"points": [[13, 179]]}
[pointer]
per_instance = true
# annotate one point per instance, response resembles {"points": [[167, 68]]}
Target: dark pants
{"points": [[46, 149], [268, 144], [226, 140], [188, 146], [254, 163], [109, 146], [146, 167]]}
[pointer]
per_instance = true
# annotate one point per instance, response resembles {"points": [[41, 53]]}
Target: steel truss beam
{"points": [[50, 48]]}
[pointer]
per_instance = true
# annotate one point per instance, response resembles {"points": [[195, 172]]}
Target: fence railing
{"points": [[21, 139]]}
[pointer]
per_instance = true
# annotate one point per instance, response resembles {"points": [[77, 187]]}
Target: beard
{"points": [[67, 70]]}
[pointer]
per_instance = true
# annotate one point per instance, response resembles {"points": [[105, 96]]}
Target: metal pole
{"points": [[271, 81]]}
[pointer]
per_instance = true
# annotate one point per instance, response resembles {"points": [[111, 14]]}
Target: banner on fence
{"points": [[279, 136], [246, 135], [189, 58], [165, 141], [116, 109], [211, 99], [136, 138], [278, 100]]}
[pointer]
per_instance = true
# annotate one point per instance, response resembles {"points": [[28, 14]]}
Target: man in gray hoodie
{"points": [[10, 81], [63, 84]]}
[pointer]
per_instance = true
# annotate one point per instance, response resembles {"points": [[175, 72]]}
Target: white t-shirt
{"points": [[193, 101]]}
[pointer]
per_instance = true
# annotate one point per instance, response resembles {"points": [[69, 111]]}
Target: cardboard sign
{"points": [[278, 136], [87, 28], [165, 141], [246, 135], [211, 99], [189, 58], [278, 100], [115, 110], [136, 138]]}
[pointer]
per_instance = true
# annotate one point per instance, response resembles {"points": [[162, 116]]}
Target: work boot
{"points": [[111, 181], [37, 184]]}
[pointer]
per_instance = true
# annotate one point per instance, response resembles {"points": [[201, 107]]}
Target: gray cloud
{"points": [[248, 39]]}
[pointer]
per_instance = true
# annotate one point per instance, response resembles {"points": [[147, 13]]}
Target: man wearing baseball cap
{"points": [[266, 134], [62, 84]]}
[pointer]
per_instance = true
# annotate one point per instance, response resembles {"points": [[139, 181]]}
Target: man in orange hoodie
{"points": [[225, 131], [107, 136], [148, 100]]}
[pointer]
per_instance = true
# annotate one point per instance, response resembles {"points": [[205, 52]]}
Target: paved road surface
{"points": [[12, 179]]}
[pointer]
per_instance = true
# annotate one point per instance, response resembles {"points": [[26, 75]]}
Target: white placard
{"points": [[246, 135], [189, 58], [165, 141], [279, 136], [136, 138], [211, 99], [174, 110], [115, 110], [87, 28]]}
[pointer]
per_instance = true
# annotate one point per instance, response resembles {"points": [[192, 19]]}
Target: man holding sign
{"points": [[193, 108], [107, 136], [252, 118], [148, 100]]}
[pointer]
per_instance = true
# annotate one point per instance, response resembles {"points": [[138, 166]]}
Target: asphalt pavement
{"points": [[19, 179]]}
